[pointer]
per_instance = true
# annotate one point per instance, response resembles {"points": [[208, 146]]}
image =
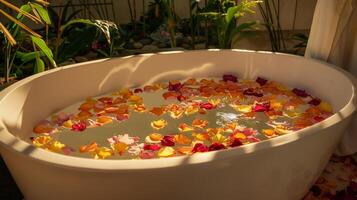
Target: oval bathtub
{"points": [[280, 168]]}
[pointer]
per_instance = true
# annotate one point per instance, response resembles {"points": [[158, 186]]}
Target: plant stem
{"points": [[206, 29], [191, 24], [59, 32]]}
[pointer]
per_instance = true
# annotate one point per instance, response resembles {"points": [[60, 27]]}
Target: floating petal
{"points": [[199, 147], [199, 123], [183, 127], [159, 124], [182, 139], [166, 152]]}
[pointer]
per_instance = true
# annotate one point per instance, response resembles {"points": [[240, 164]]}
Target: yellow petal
{"points": [[56, 146], [166, 152], [103, 153], [326, 107], [190, 110], [218, 138], [155, 136], [159, 124], [41, 141], [136, 99], [242, 108]]}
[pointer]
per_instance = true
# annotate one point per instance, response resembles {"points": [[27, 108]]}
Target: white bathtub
{"points": [[280, 168]]}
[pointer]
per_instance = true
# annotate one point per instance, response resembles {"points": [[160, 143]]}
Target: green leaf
{"points": [[231, 12], [76, 21], [42, 12], [27, 57], [39, 65], [44, 48], [27, 8]]}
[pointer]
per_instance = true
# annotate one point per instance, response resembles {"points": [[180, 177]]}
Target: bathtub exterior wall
{"points": [[277, 173]]}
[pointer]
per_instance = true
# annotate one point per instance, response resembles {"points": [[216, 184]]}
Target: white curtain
{"points": [[333, 38]]}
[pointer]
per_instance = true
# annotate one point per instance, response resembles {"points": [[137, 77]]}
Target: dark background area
{"points": [[8, 188]]}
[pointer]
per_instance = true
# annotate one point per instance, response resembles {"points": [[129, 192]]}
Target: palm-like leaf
{"points": [[36, 17]]}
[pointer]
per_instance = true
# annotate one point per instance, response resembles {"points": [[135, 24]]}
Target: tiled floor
{"points": [[337, 182]]}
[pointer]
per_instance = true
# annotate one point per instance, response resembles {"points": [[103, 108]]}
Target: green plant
{"points": [[171, 20], [270, 12], [194, 19], [301, 40], [69, 44], [225, 15], [14, 37]]}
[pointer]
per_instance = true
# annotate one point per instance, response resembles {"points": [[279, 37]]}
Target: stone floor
{"points": [[337, 182]]}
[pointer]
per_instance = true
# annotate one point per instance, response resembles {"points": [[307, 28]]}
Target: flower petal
{"points": [[159, 124], [166, 152]]}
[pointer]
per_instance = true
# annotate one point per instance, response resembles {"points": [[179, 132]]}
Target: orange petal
{"points": [[88, 148], [182, 139], [183, 127], [104, 119], [185, 150], [43, 128], [268, 132], [170, 95], [199, 123], [139, 108], [158, 111], [120, 147]]}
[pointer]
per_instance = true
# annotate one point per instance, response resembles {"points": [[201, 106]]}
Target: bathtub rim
{"points": [[12, 143]]}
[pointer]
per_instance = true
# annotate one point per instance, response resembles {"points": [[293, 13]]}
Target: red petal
{"points": [[230, 77], [174, 86], [300, 93], [152, 147], [315, 101], [199, 147], [236, 142], [138, 90], [216, 146], [261, 81], [207, 106], [261, 107], [78, 127], [168, 140]]}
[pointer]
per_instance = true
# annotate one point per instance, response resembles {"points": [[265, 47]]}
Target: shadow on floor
{"points": [[8, 188]]}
